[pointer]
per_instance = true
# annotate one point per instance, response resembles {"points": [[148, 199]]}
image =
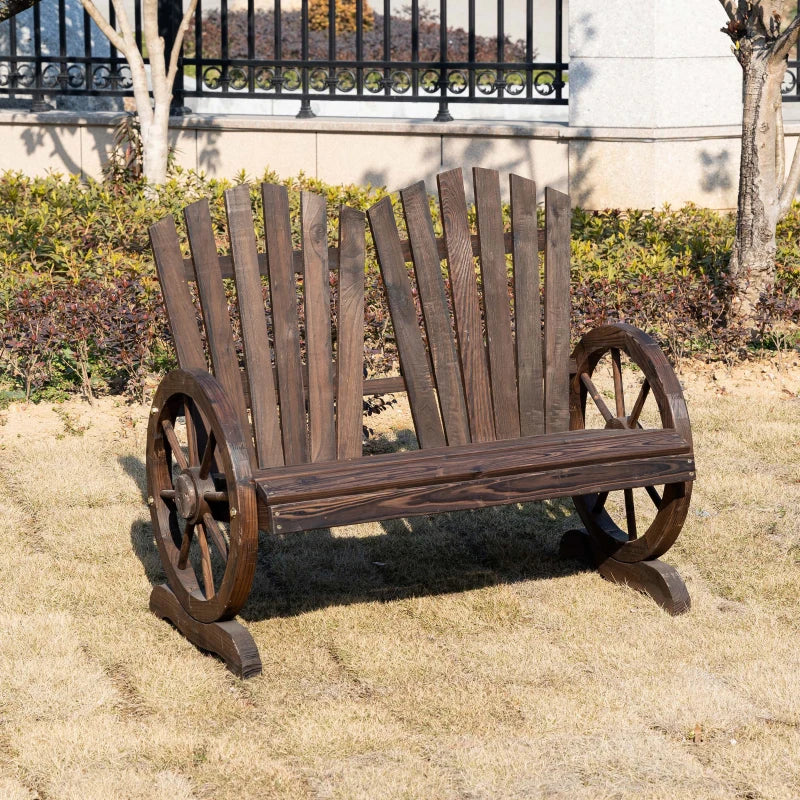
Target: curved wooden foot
{"points": [[230, 640], [655, 578]]}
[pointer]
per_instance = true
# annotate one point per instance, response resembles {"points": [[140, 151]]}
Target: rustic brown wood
{"points": [[226, 264], [464, 494], [556, 310], [285, 326], [527, 306], [496, 303], [428, 272], [413, 358], [258, 355], [466, 305], [177, 299], [317, 303], [492, 433], [659, 381], [214, 304], [350, 334], [229, 640], [654, 578], [467, 462]]}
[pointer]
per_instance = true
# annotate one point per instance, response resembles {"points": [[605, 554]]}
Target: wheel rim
{"points": [[624, 381], [201, 497]]}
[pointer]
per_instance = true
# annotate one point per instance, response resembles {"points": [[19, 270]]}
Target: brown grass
{"points": [[451, 657]]}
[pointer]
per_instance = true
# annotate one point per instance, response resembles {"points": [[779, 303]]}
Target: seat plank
{"points": [[466, 306], [350, 334], [413, 358], [177, 299], [214, 304], [317, 303], [467, 462], [556, 310], [430, 285], [496, 303], [527, 306], [285, 326], [258, 355], [468, 494]]}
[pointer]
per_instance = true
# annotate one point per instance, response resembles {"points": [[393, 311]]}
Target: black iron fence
{"points": [[426, 51]]}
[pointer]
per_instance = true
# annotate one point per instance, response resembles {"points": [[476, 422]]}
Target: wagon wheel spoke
{"points": [[595, 395], [186, 541], [630, 513], [191, 433], [174, 444], [619, 393], [633, 419], [208, 456], [208, 575], [654, 495], [213, 530], [600, 502], [167, 494]]}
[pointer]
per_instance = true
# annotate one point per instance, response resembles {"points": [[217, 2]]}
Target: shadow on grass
{"points": [[417, 556]]}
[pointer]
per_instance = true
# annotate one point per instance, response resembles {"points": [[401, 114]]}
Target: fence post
{"points": [[170, 13]]}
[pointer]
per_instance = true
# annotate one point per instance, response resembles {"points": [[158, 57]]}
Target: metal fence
{"points": [[431, 51]]}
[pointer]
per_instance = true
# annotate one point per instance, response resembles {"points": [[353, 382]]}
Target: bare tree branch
{"points": [[786, 41], [178, 43], [105, 26], [9, 8]]}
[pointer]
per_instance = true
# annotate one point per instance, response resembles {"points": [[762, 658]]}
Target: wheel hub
{"points": [[186, 495]]}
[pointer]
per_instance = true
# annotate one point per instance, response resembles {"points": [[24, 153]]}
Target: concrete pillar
{"points": [[666, 70]]}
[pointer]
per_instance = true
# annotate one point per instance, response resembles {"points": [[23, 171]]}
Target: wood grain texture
{"points": [[556, 310], [317, 304], [464, 494], [350, 334], [439, 330], [230, 640], [527, 306], [214, 304], [226, 264], [285, 325], [263, 399], [177, 298], [413, 357], [467, 462], [660, 581], [466, 305], [496, 303]]}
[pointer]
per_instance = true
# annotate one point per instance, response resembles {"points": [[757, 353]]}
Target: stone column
{"points": [[647, 80]]}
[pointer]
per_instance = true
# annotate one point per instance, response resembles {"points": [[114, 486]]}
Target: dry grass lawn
{"points": [[451, 657]]}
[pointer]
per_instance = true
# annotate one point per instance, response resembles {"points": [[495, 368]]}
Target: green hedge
{"points": [[81, 309]]}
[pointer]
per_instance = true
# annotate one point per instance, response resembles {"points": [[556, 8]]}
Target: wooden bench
{"points": [[502, 412]]}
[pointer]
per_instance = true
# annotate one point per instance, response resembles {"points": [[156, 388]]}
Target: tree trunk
{"points": [[155, 147], [760, 179]]}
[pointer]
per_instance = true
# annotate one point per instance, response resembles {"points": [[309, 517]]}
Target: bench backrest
{"points": [[499, 376], [301, 409]]}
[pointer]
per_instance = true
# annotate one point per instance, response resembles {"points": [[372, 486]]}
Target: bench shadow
{"points": [[392, 559]]}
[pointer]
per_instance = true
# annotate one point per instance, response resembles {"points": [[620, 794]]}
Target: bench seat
{"points": [[452, 478]]}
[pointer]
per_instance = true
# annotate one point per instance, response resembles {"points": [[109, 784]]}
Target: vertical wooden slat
{"points": [[466, 307], [413, 358], [258, 357], [317, 304], [177, 299], [527, 306], [350, 334], [437, 315], [497, 306], [556, 311], [283, 302], [215, 312]]}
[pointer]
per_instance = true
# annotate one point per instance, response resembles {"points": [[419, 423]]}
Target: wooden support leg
{"points": [[230, 640], [655, 578]]}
